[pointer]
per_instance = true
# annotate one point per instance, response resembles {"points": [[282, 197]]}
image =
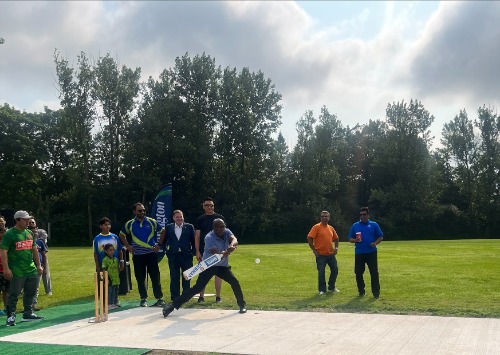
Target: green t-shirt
{"points": [[19, 246], [112, 267]]}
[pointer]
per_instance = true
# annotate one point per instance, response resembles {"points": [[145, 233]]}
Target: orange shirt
{"points": [[323, 236]]}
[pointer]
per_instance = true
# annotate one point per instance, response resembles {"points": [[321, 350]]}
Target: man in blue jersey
{"points": [[142, 230], [100, 240], [366, 235]]}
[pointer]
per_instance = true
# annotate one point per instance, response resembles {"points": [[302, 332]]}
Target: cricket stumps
{"points": [[101, 296]]}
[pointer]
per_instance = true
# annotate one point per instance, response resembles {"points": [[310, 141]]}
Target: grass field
{"points": [[447, 278]]}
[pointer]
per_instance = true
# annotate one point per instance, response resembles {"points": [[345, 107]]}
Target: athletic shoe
{"points": [[118, 304], [30, 317], [376, 296], [321, 293], [49, 293], [243, 309], [11, 321], [218, 300], [201, 299], [159, 303], [335, 290], [144, 303], [169, 308], [361, 294], [112, 306]]}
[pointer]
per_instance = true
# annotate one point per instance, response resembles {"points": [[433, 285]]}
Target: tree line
{"points": [[213, 131]]}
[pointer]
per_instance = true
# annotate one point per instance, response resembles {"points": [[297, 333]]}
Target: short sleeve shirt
{"points": [[19, 246], [221, 244], [323, 237], [101, 240]]}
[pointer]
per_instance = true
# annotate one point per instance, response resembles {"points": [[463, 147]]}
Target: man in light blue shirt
{"points": [[219, 241]]}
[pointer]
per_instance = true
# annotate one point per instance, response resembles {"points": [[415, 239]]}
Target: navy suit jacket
{"points": [[185, 243]]}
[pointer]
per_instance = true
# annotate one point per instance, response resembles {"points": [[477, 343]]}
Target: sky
{"points": [[354, 57]]}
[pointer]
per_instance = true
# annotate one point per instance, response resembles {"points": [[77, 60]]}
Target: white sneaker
{"points": [[112, 306], [335, 290], [321, 293]]}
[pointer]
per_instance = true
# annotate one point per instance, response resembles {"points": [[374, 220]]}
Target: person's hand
{"points": [[156, 248], [373, 245], [7, 274], [122, 266], [335, 251], [130, 249], [198, 256], [39, 269]]}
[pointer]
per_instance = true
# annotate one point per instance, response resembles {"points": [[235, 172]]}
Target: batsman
{"points": [[219, 241]]}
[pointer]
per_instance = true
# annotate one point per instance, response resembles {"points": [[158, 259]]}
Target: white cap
{"points": [[21, 214]]}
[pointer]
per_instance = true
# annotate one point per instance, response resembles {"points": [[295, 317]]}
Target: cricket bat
{"points": [[202, 266]]}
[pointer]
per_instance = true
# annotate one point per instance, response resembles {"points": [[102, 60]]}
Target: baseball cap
{"points": [[21, 214]]}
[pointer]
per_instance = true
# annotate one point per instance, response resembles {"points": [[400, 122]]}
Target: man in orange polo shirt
{"points": [[320, 240]]}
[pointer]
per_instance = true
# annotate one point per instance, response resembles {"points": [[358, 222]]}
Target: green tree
{"points": [[76, 92]]}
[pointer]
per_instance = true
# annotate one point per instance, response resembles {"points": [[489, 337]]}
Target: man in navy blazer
{"points": [[180, 249]]}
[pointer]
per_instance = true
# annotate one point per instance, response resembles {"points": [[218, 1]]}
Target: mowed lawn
{"points": [[452, 278]]}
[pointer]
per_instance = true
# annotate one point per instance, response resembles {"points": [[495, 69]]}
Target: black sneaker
{"points": [[11, 321], [159, 303], [376, 296], [243, 309], [169, 308], [218, 300], [361, 294], [144, 303], [201, 299], [30, 317]]}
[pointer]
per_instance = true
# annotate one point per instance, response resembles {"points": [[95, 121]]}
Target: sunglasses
{"points": [[363, 214], [208, 205], [141, 210]]}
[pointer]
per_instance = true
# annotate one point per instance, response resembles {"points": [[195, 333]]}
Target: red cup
{"points": [[358, 236]]}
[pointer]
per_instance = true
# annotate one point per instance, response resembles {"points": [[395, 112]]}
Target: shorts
{"points": [[4, 284]]}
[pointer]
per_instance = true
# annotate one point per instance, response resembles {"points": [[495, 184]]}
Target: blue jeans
{"points": [[17, 284], [321, 262]]}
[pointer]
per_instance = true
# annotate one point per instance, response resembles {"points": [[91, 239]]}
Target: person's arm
{"points": [[125, 243], [335, 242], [197, 234], [377, 241], [233, 244], [121, 260], [310, 241], [7, 273], [156, 247], [36, 259], [96, 261]]}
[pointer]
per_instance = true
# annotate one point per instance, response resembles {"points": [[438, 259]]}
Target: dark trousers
{"points": [[224, 273], [177, 263], [321, 262], [17, 284], [369, 259], [147, 263]]}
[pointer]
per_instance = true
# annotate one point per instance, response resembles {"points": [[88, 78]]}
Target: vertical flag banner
{"points": [[161, 210]]}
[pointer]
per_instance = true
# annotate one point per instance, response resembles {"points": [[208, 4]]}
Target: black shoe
{"points": [[11, 321], [243, 309], [362, 294], [30, 317], [144, 303], [218, 300], [169, 308], [201, 299], [376, 296], [159, 303]]}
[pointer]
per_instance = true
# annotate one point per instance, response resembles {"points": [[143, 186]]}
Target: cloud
{"points": [[446, 61]]}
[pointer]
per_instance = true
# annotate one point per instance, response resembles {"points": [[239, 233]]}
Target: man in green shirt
{"points": [[21, 266]]}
